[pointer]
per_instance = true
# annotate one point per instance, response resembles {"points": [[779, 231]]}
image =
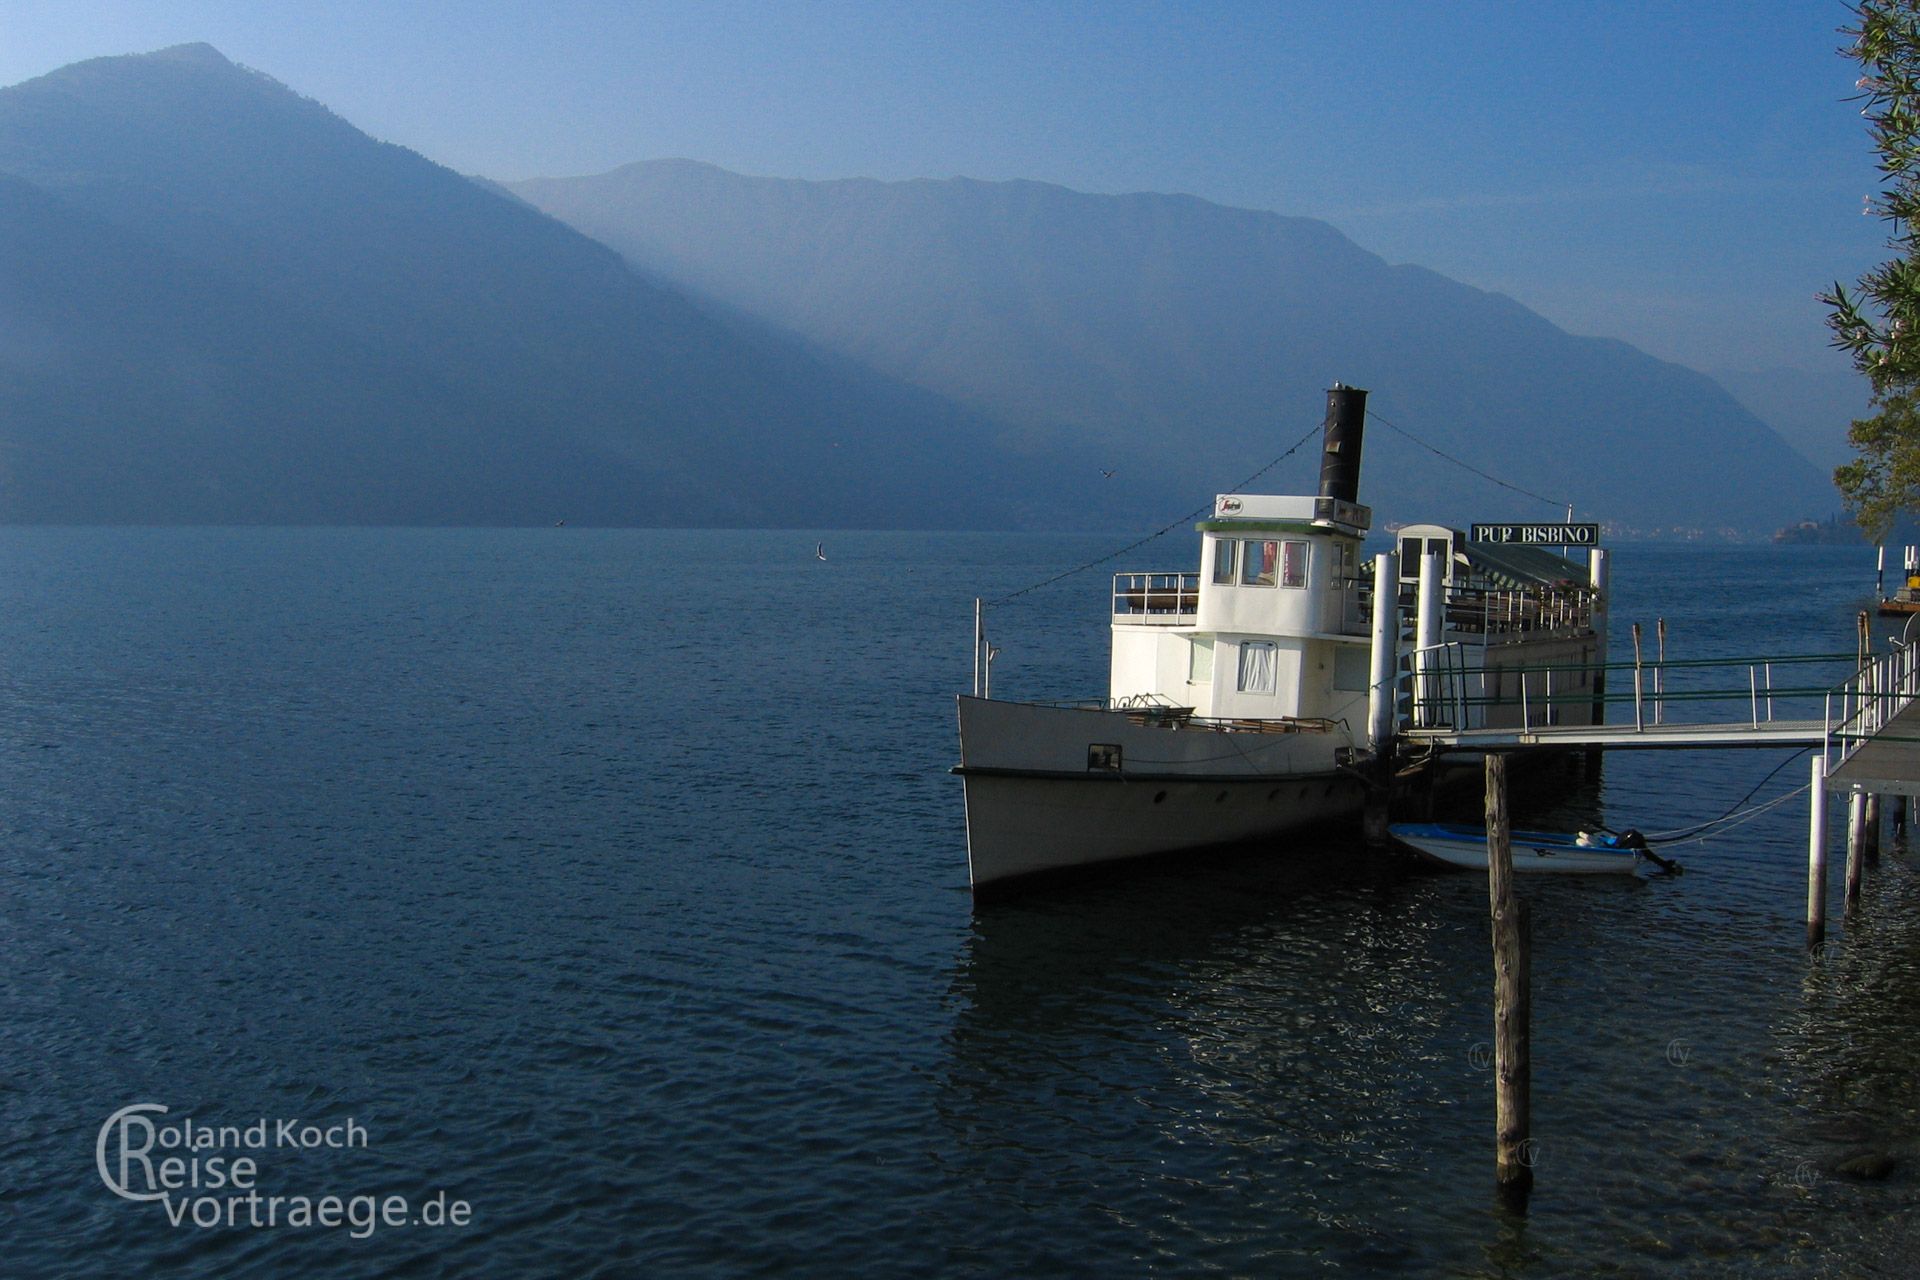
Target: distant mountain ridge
{"points": [[224, 303], [1189, 338]]}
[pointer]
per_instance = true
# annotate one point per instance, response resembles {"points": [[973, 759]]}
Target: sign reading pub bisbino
{"points": [[1541, 535]]}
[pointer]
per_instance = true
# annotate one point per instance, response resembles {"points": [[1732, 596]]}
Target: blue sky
{"points": [[1683, 176]]}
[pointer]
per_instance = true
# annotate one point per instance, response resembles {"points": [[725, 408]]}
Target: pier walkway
{"points": [[1584, 737], [1887, 760], [1447, 705], [1873, 735]]}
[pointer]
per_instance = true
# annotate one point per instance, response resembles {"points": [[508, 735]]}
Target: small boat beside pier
{"points": [[1465, 847]]}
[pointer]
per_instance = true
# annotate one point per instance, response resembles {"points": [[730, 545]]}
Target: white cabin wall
{"points": [[1155, 661], [1158, 661], [1135, 663], [1229, 703], [1321, 696], [1325, 605], [1274, 610]]}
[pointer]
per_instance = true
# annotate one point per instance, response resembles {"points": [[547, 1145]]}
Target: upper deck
{"points": [[1273, 569]]}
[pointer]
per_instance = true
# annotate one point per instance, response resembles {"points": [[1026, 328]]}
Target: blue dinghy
{"points": [[1457, 845]]}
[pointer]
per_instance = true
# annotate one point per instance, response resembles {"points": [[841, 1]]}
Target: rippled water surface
{"points": [[613, 882]]}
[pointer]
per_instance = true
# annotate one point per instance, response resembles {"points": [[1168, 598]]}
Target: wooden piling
{"points": [[1871, 853], [1856, 842], [1817, 855], [1512, 995]]}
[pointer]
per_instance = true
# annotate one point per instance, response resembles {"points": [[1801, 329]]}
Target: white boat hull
{"points": [[1051, 789]]}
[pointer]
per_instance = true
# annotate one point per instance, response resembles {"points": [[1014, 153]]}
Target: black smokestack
{"points": [[1340, 456]]}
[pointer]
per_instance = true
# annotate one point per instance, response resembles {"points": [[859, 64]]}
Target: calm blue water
{"points": [[613, 882]]}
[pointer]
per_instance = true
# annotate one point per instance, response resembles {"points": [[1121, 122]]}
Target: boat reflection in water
{"points": [[1231, 1064], [1284, 1064]]}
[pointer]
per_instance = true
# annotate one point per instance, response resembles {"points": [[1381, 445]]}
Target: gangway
{"points": [[1450, 705]]}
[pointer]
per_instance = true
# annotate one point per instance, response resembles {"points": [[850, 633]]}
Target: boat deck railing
{"points": [[1498, 611], [1170, 599]]}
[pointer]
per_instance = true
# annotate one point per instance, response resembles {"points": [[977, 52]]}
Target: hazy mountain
{"points": [[222, 302], [1800, 405], [1191, 340]]}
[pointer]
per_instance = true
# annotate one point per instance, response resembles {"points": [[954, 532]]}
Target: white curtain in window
{"points": [[1257, 663]]}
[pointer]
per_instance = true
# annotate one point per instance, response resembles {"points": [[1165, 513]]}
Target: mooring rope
{"points": [[1737, 820], [1682, 833]]}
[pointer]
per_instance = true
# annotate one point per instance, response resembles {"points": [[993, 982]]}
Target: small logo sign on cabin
{"points": [[1538, 535], [1227, 506]]}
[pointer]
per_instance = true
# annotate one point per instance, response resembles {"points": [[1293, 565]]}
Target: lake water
{"points": [[612, 882]]}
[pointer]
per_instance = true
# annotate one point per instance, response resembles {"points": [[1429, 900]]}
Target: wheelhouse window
{"points": [[1223, 559], [1259, 560], [1293, 564]]}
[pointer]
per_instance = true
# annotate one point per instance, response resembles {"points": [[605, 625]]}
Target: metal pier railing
{"points": [[1450, 700], [1863, 708]]}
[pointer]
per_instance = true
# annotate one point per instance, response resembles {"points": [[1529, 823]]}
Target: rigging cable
{"points": [[1195, 514], [1465, 465], [1201, 511]]}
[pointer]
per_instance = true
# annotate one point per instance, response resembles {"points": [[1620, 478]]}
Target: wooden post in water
{"points": [[1856, 842], [1660, 672], [1871, 853], [1639, 714], [1817, 854], [1899, 818], [1512, 996]]}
